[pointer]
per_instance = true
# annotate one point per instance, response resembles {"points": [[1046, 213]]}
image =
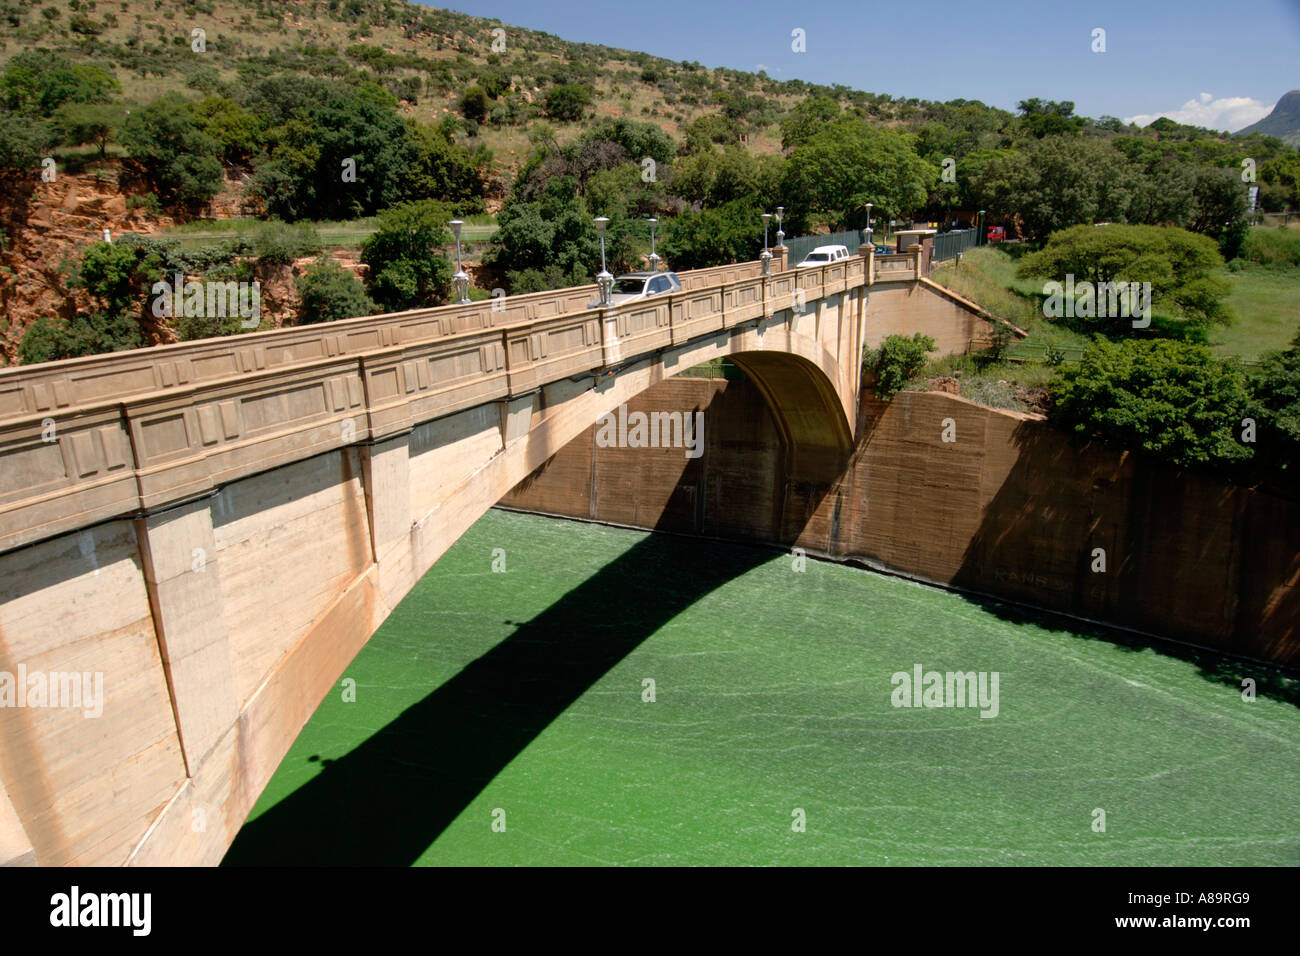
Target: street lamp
{"points": [[869, 207], [604, 280], [766, 256], [654, 259], [979, 232], [780, 233], [460, 278]]}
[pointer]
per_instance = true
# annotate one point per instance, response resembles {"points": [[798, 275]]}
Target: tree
{"points": [[621, 192], [808, 116], [328, 292], [1171, 401], [406, 269], [729, 233], [849, 163], [440, 169], [178, 157], [1178, 264], [639, 140], [107, 272], [1279, 182], [340, 157], [38, 82], [239, 132], [77, 123], [995, 180], [1042, 118], [1275, 406], [474, 104], [567, 102], [1074, 181], [23, 142], [1219, 208], [551, 242]]}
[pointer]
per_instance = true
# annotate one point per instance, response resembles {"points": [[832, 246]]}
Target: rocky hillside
{"points": [[48, 225], [1283, 122]]}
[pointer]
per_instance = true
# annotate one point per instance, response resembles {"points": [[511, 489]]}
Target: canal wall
{"points": [[959, 495]]}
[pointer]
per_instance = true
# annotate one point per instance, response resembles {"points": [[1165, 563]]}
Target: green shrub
{"points": [[48, 340], [1275, 405], [329, 292], [897, 361], [281, 242], [1173, 401], [568, 101], [406, 269], [1272, 247], [147, 201]]}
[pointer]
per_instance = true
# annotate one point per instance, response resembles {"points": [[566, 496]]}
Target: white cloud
{"points": [[1229, 112]]}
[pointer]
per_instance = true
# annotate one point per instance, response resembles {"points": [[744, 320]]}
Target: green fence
{"points": [[949, 245]]}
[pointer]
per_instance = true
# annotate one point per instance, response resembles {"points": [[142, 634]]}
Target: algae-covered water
{"points": [[504, 716]]}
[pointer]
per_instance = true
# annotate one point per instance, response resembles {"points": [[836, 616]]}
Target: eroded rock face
{"points": [[49, 224]]}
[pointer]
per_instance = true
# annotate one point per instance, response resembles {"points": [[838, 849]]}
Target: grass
{"points": [[993, 384], [1267, 303], [987, 276], [519, 696], [345, 234], [1265, 300]]}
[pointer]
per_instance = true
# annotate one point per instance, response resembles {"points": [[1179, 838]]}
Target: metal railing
{"points": [[949, 245]]}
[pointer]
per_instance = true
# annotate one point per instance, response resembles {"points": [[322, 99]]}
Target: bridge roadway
{"points": [[208, 532]]}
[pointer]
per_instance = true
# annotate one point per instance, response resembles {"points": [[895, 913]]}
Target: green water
{"points": [[522, 692]]}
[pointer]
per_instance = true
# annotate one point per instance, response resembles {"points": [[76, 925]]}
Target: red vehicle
{"points": [[997, 233]]}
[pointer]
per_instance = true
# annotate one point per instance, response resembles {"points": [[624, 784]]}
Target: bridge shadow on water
{"points": [[386, 801]]}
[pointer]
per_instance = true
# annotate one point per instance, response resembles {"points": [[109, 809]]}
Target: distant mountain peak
{"points": [[1283, 122]]}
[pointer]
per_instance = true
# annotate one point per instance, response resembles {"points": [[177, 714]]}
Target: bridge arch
{"points": [[202, 478]]}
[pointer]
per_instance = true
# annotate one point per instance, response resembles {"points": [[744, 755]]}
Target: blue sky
{"points": [[1217, 63]]}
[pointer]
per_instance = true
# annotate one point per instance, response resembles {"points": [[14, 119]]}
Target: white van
{"points": [[823, 255]]}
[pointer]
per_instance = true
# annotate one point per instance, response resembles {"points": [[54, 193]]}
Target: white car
{"points": [[823, 255], [640, 285]]}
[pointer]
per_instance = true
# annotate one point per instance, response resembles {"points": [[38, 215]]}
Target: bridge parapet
{"points": [[89, 439], [898, 266]]}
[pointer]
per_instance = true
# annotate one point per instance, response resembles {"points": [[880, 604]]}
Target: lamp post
{"points": [[869, 207], [780, 233], [460, 278], [979, 230], [765, 256], [604, 280], [654, 259]]}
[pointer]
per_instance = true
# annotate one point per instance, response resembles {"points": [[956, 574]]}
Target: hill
{"points": [[1283, 122], [154, 113]]}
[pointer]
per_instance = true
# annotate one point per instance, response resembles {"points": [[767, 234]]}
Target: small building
{"points": [[909, 237]]}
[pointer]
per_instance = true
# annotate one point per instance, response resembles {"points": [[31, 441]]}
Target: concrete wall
{"points": [[908, 308], [1009, 509]]}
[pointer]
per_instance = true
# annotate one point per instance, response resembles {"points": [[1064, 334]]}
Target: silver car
{"points": [[640, 285]]}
